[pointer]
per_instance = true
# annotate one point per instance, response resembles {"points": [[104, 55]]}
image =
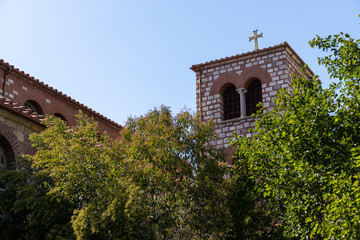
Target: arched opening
{"points": [[59, 115], [33, 106], [231, 102], [7, 157], [253, 96]]}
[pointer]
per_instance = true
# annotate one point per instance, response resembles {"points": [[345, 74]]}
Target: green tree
{"points": [[79, 162], [249, 217], [180, 173], [305, 156], [162, 180], [27, 211]]}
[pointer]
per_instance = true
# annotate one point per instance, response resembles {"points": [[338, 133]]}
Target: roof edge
{"points": [[197, 67], [58, 93]]}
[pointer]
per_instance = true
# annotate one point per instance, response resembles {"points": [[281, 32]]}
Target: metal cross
{"points": [[255, 37]]}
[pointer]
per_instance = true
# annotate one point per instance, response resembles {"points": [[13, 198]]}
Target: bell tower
{"points": [[228, 89]]}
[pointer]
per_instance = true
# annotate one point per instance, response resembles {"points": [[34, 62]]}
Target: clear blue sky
{"points": [[122, 58]]}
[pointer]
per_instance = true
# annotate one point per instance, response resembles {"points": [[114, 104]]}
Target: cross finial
{"points": [[255, 37]]}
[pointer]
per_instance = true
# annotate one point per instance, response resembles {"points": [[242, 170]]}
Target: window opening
{"points": [[6, 154], [253, 97], [33, 106], [231, 101], [59, 115]]}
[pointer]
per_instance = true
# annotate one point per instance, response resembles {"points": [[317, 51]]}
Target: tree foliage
{"points": [[305, 155], [27, 211], [297, 177], [162, 180]]}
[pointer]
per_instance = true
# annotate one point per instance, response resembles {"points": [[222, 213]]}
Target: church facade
{"points": [[229, 89], [24, 103]]}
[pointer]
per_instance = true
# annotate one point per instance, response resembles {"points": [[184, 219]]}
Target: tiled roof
{"points": [[57, 92], [284, 44], [24, 112]]}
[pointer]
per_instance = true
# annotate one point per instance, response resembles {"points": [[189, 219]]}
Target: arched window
{"points": [[33, 106], [231, 101], [253, 97], [7, 158], [59, 115]]}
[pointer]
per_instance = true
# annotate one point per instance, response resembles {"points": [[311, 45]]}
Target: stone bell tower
{"points": [[228, 89]]}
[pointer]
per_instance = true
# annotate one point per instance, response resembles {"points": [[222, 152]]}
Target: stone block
{"points": [[273, 93]]}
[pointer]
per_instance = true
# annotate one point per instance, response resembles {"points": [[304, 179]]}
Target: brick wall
{"points": [[21, 87], [272, 66]]}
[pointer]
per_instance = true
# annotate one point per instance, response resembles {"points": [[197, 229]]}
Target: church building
{"points": [[24, 103], [229, 89]]}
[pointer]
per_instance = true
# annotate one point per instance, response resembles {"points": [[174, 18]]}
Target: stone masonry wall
{"points": [[273, 67], [16, 130]]}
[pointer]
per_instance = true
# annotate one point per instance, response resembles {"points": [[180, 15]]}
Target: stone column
{"points": [[242, 92]]}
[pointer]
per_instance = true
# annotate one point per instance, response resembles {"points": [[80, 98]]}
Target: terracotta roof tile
{"points": [[21, 110], [57, 92], [284, 44]]}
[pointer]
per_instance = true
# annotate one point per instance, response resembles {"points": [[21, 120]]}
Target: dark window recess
{"points": [[33, 106], [59, 115], [231, 101], [253, 97], [7, 158]]}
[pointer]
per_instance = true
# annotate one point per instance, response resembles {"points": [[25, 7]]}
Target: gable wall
{"points": [[20, 89]]}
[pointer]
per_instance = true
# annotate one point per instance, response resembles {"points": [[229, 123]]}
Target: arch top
{"points": [[224, 80], [252, 73], [10, 146], [241, 80], [33, 106], [59, 115]]}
